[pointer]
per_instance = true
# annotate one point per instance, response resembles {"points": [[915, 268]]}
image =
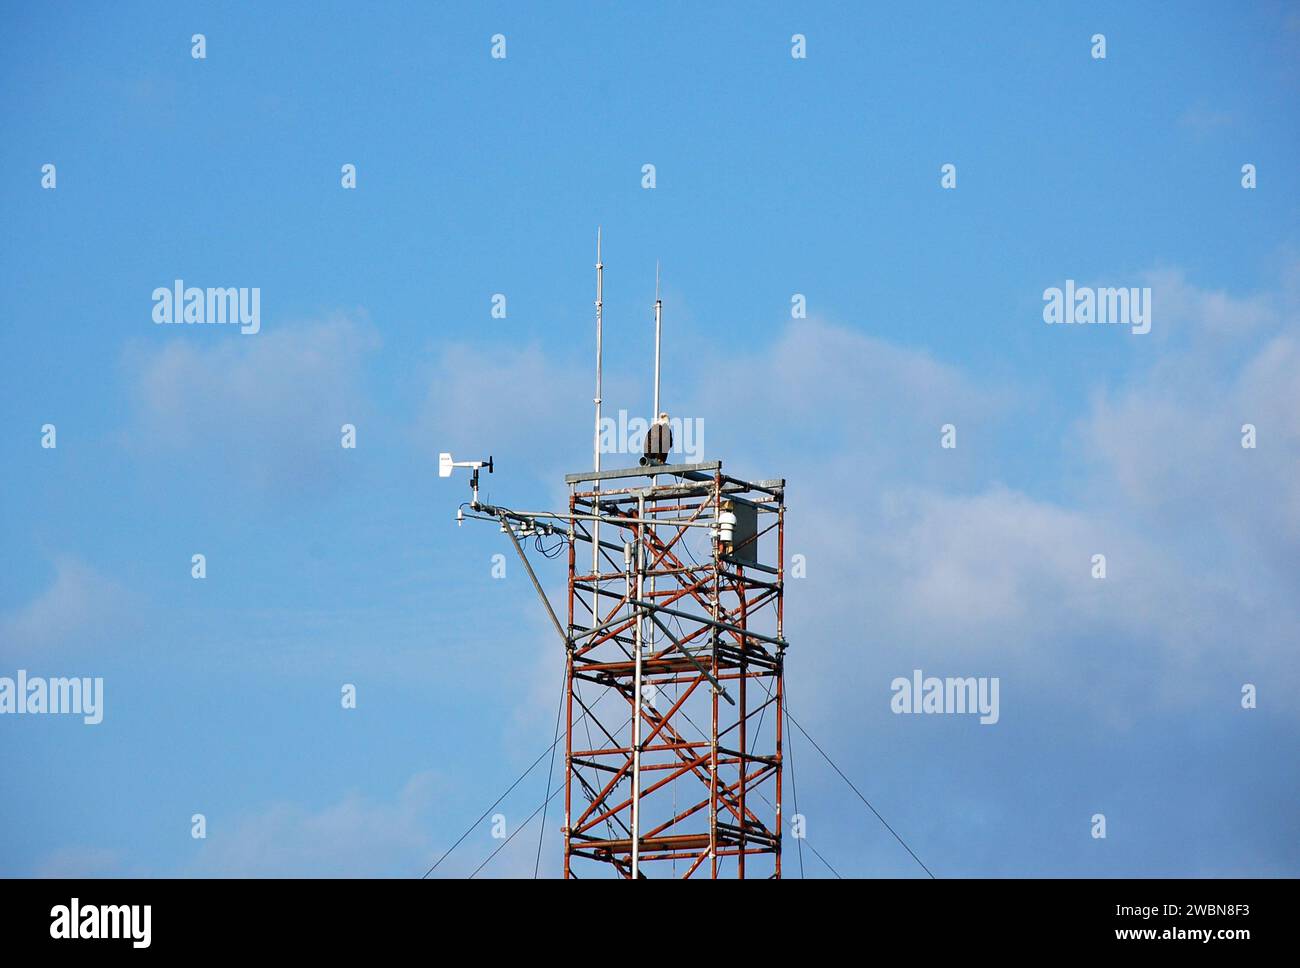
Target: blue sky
{"points": [[775, 176]]}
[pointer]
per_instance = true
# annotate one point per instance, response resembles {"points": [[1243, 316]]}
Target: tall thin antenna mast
{"points": [[640, 623], [659, 305], [600, 302], [600, 305]]}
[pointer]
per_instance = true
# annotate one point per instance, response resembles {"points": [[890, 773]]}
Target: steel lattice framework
{"points": [[678, 600]]}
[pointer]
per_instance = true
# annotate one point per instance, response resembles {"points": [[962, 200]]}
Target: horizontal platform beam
{"points": [[648, 471]]}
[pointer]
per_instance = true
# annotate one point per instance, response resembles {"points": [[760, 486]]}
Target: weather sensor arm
{"points": [[446, 465]]}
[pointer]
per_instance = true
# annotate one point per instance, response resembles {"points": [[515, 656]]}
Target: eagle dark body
{"points": [[658, 443]]}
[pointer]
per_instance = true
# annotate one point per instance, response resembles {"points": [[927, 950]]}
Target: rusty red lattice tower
{"points": [[674, 655], [674, 596]]}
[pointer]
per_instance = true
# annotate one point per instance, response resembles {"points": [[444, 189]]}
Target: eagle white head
{"points": [[663, 418]]}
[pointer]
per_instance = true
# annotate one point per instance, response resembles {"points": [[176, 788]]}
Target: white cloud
{"points": [[76, 606], [507, 400], [1208, 312], [354, 837], [910, 565], [81, 862], [834, 396], [912, 555], [266, 408], [1204, 121], [1171, 437]]}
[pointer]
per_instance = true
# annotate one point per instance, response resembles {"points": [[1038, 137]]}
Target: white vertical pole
{"points": [[636, 763], [636, 692], [600, 301], [659, 305], [595, 529]]}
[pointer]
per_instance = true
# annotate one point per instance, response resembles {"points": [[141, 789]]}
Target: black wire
{"points": [[858, 792], [518, 829], [549, 798], [824, 861], [686, 545], [550, 770], [703, 735], [795, 789], [470, 828], [554, 550]]}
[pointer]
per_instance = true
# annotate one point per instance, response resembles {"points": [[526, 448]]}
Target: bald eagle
{"points": [[658, 442]]}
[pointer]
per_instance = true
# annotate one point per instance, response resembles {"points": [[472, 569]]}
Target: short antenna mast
{"points": [[659, 306]]}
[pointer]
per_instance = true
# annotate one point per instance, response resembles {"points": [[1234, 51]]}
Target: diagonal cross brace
{"points": [[505, 523]]}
